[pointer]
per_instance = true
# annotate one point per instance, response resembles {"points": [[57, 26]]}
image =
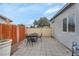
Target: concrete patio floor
{"points": [[45, 47]]}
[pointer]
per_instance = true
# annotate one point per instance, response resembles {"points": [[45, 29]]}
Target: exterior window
{"points": [[69, 24], [65, 24]]}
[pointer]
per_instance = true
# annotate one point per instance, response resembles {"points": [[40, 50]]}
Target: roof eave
{"points": [[61, 10], [4, 18]]}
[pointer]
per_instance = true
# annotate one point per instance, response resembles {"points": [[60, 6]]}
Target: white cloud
{"points": [[51, 10], [30, 8], [49, 4], [23, 9], [28, 22]]}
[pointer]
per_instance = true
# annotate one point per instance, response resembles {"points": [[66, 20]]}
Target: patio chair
{"points": [[32, 38]]}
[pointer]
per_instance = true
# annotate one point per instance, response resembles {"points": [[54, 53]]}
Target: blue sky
{"points": [[26, 13]]}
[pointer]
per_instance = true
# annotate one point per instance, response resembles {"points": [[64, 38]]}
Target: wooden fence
{"points": [[10, 31], [44, 31], [21, 31]]}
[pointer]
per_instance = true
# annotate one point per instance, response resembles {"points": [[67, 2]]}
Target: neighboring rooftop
{"points": [[5, 18], [66, 6]]}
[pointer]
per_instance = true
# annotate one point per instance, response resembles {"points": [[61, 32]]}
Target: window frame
{"points": [[74, 22], [68, 22]]}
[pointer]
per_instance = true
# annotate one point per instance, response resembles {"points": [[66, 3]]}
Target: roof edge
{"points": [[67, 5], [5, 18]]}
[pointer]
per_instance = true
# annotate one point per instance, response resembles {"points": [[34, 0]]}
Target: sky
{"points": [[26, 13]]}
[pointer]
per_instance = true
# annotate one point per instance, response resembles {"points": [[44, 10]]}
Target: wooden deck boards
{"points": [[47, 47]]}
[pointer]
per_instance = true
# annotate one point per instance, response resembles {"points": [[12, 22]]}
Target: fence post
{"points": [[17, 34]]}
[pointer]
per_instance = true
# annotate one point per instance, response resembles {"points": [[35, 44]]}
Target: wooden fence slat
{"points": [[21, 32], [0, 31]]}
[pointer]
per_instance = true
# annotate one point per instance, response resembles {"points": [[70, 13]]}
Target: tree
{"points": [[31, 26], [35, 23], [43, 21]]}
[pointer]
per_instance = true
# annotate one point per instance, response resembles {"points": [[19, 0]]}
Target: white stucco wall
{"points": [[67, 38]]}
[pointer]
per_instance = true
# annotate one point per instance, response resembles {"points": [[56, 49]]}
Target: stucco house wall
{"points": [[67, 38]]}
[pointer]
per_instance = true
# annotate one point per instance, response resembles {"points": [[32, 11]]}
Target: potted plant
{"points": [[5, 47]]}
